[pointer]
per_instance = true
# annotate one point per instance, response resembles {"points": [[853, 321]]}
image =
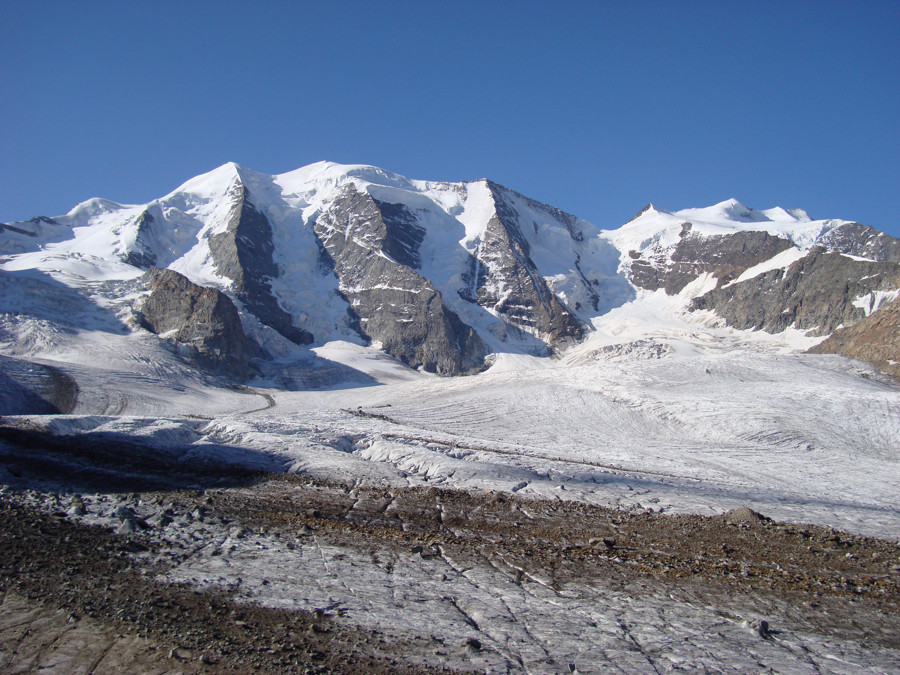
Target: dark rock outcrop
{"points": [[515, 288], [725, 256], [20, 236], [4, 227], [243, 254], [30, 228], [203, 319], [816, 293], [875, 339], [402, 235], [371, 246], [141, 255]]}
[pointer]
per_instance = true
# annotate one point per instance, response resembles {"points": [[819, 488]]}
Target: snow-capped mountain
{"points": [[768, 270], [439, 275]]}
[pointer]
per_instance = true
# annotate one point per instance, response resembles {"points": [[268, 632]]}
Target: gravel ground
{"points": [[105, 570]]}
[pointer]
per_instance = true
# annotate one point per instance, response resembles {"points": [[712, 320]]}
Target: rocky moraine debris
{"points": [[109, 559]]}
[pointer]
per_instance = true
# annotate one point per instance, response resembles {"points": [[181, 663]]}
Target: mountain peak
{"points": [[212, 183], [325, 173], [735, 210], [93, 207], [731, 203], [650, 209]]}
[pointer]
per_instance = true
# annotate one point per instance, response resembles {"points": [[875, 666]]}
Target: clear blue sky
{"points": [[594, 107]]}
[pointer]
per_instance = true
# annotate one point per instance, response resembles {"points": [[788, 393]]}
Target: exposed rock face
{"points": [[204, 319], [819, 293], [402, 235], [875, 339], [35, 226], [816, 293], [16, 235], [18, 230], [725, 256], [141, 254], [374, 248], [515, 289], [862, 241], [243, 253]]}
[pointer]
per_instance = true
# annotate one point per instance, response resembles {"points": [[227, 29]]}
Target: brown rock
{"points": [[875, 339], [744, 515]]}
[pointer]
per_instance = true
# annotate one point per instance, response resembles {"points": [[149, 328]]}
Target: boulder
{"points": [[744, 515], [202, 319]]}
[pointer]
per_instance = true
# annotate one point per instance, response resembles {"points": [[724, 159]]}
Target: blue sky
{"points": [[594, 107]]}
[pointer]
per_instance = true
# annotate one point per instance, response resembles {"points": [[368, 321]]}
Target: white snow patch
{"points": [[872, 302], [778, 262]]}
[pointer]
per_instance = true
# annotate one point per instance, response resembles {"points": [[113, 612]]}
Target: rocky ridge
{"points": [[863, 241], [389, 300], [817, 277], [522, 295], [724, 256], [243, 254], [818, 293]]}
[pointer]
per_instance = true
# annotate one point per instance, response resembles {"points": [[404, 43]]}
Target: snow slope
{"points": [[693, 418]]}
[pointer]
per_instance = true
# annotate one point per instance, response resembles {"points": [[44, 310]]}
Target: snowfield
{"points": [[691, 418]]}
